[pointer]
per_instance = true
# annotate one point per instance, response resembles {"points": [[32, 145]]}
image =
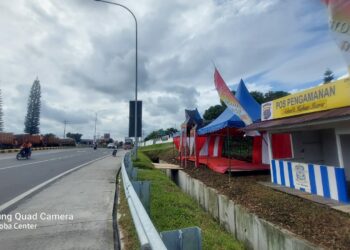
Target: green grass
{"points": [[142, 161], [127, 228], [172, 209], [154, 151], [157, 147]]}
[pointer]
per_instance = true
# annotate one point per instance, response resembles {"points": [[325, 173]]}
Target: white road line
{"points": [[31, 163], [25, 194], [35, 162], [13, 156]]}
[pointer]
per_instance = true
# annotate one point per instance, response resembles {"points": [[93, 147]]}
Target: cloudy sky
{"points": [[83, 53]]}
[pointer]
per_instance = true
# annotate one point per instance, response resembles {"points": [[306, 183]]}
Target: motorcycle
{"points": [[114, 153], [95, 147], [23, 154]]}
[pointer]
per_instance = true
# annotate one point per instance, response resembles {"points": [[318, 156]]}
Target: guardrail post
{"points": [[142, 189], [147, 233], [183, 239]]}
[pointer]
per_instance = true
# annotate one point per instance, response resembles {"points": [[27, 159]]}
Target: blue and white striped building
{"points": [[327, 181]]}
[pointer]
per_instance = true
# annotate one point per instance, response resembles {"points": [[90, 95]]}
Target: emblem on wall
{"points": [[267, 111]]}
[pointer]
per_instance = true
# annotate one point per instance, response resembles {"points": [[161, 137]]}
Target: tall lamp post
{"points": [[96, 122], [126, 8], [65, 122]]}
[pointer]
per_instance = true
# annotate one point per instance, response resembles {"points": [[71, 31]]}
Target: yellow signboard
{"points": [[324, 97]]}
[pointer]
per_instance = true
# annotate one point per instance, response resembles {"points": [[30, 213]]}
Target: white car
{"points": [[111, 145]]}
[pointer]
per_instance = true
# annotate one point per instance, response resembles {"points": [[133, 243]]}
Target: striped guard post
{"points": [[326, 181]]}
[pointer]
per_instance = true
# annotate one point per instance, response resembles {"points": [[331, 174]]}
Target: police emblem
{"points": [[300, 173], [267, 110]]}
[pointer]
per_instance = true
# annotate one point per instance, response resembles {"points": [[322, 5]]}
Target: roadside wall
{"points": [[152, 142], [246, 227]]}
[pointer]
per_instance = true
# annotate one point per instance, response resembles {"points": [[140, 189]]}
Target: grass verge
{"points": [[172, 209], [157, 147], [167, 150], [142, 161], [126, 224]]}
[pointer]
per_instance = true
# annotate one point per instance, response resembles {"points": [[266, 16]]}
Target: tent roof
{"points": [[228, 118], [193, 117], [248, 102]]}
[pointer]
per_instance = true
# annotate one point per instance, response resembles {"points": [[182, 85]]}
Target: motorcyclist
{"points": [[29, 148], [26, 148]]}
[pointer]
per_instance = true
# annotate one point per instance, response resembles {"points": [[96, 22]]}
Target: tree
{"points": [[1, 115], [213, 112], [328, 76], [258, 96], [161, 132], [32, 119], [171, 131], [152, 135], [75, 136], [272, 95]]}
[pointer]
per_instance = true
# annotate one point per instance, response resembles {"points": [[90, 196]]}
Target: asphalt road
{"points": [[18, 176]]}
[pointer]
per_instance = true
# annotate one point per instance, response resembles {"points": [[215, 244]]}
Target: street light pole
{"points": [[64, 130], [136, 77], [95, 128]]}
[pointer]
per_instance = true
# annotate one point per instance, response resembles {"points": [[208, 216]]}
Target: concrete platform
{"points": [[166, 166]]}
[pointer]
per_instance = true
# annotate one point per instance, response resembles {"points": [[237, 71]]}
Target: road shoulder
{"points": [[73, 213]]}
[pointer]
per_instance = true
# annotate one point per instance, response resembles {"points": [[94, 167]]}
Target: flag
{"points": [[339, 23], [229, 99]]}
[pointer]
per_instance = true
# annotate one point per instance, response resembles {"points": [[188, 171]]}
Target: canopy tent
{"points": [[192, 118], [248, 102], [228, 119], [187, 141], [228, 124]]}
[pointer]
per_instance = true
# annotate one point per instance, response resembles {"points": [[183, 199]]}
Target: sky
{"points": [[83, 53]]}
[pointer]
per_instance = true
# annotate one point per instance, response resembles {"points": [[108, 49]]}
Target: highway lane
{"points": [[16, 177]]}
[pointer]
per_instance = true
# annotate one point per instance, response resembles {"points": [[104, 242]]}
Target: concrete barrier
{"points": [[254, 232]]}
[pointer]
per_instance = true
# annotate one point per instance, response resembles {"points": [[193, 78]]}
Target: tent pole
{"points": [[180, 151], [229, 155], [195, 147], [208, 141], [185, 146], [173, 148]]}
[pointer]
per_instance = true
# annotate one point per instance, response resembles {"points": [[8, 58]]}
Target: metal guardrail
{"points": [[148, 236]]}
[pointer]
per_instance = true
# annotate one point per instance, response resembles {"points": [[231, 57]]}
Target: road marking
{"points": [[13, 156], [27, 193], [31, 163]]}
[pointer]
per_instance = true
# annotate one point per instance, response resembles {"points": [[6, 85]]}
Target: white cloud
{"points": [[83, 52]]}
